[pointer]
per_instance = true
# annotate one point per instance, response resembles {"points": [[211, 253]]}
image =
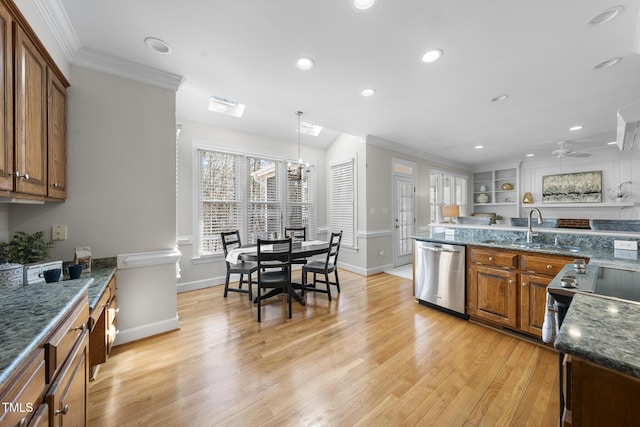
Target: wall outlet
{"points": [[630, 245], [59, 232]]}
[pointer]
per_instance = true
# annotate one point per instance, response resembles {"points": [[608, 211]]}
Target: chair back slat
{"points": [[298, 234], [277, 257], [334, 248], [230, 240]]}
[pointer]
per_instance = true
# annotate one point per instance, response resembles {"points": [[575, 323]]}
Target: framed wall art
{"points": [[579, 187]]}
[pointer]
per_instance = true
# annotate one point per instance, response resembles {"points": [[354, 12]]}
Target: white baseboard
{"points": [[364, 271], [145, 331]]}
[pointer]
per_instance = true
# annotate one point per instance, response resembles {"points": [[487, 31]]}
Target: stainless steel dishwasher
{"points": [[440, 276]]}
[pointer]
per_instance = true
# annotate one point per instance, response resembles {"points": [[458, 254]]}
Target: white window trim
{"points": [[195, 183]]}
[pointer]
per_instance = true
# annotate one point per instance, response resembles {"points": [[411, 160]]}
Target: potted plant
{"points": [[26, 248]]}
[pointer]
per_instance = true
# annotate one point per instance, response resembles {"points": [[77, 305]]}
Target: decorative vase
{"points": [[482, 198], [528, 198], [483, 187]]}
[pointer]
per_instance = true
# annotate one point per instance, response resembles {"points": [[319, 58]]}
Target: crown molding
{"points": [[110, 64], [390, 145], [56, 18]]}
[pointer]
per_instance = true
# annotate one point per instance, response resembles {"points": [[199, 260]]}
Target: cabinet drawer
{"points": [[493, 258], [102, 304], [24, 394], [543, 264], [60, 343]]}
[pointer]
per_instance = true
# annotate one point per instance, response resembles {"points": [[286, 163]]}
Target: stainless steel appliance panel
{"points": [[440, 275]]}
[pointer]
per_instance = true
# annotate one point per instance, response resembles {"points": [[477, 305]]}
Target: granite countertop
{"points": [[29, 312], [603, 331], [588, 248]]}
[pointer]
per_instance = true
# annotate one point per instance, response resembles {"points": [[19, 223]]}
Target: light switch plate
{"points": [[630, 245], [58, 232]]}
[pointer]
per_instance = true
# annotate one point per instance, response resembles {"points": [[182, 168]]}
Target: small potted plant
{"points": [[26, 248]]}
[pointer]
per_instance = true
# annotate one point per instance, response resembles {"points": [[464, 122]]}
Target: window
{"points": [[342, 200], [446, 188], [249, 193]]}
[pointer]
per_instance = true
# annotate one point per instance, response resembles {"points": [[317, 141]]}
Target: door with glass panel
{"points": [[404, 211]]}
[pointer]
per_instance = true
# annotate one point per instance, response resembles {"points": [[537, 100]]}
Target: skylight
{"points": [[225, 106], [310, 129]]}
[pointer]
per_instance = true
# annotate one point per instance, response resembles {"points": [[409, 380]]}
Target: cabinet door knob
{"points": [[23, 422], [549, 267], [511, 281], [524, 283], [17, 174], [490, 258], [62, 411], [26, 176], [80, 328], [54, 185]]}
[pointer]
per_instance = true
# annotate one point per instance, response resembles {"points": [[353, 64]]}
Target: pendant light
{"points": [[295, 172]]}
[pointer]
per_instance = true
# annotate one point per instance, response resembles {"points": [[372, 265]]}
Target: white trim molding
{"points": [[145, 259], [56, 18], [148, 330], [365, 234]]}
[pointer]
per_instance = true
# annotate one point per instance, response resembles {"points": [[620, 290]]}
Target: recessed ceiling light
{"points": [[310, 129], [578, 127], [305, 63], [432, 55], [606, 16], [612, 143], [499, 98], [530, 155], [477, 147], [368, 92], [608, 63], [363, 4], [158, 45]]}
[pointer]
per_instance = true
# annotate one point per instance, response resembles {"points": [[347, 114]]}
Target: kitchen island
{"points": [[600, 340]]}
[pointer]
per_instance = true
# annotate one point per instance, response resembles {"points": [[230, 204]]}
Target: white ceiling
{"points": [[541, 53]]}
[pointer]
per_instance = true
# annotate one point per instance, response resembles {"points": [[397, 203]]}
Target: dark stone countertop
{"points": [[28, 313], [603, 331]]}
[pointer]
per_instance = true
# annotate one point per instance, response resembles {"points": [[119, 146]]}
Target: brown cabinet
{"points": [[104, 327], [51, 384], [6, 99], [67, 396], [32, 113], [509, 288], [56, 137], [598, 396]]}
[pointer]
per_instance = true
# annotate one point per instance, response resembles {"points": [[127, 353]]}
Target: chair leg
{"points": [[226, 284], [259, 295], [289, 290], [304, 282], [326, 281], [240, 281], [250, 288], [337, 280]]}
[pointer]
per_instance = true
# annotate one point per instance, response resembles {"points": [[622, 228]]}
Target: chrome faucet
{"points": [[530, 230]]}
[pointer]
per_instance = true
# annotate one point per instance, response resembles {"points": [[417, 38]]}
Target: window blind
{"points": [[342, 200], [446, 188], [219, 205], [264, 204], [301, 202]]}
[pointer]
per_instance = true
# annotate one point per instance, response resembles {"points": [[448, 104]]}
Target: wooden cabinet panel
{"points": [[57, 137], [533, 298], [494, 295], [597, 396], [492, 257], [30, 117], [24, 393], [103, 328], [67, 397], [65, 336], [544, 264], [41, 417], [6, 99]]}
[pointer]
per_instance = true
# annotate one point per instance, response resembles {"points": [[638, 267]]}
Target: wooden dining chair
{"points": [[274, 269], [297, 234], [231, 240], [329, 265]]}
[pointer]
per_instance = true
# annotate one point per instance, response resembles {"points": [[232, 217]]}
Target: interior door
{"points": [[404, 211]]}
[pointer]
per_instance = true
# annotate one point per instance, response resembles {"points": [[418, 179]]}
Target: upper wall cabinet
{"points": [[34, 155], [6, 99]]}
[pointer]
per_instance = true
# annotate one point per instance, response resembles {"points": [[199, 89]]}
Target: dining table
{"points": [[299, 250]]}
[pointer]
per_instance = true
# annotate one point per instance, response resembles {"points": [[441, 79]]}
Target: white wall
{"points": [[121, 183], [199, 273], [616, 167]]}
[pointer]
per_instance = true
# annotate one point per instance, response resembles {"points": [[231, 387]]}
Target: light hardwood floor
{"points": [[372, 356]]}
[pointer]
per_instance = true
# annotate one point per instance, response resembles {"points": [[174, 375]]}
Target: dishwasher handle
{"points": [[436, 249]]}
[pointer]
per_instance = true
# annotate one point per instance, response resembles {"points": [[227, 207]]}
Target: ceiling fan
{"points": [[563, 152]]}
